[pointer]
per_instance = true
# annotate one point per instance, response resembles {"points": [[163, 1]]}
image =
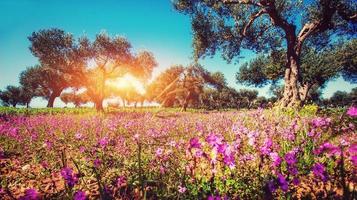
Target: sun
{"points": [[128, 82]]}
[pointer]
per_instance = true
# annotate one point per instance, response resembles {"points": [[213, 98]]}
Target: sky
{"points": [[147, 24]]}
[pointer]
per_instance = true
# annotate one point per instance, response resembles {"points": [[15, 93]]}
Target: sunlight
{"points": [[127, 82]]}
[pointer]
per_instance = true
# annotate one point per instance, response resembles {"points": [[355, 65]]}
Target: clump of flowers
{"points": [[70, 177], [80, 195], [352, 111], [30, 194]]}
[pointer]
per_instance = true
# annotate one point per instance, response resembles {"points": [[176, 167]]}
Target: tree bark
{"points": [[185, 102], [52, 98], [304, 90], [291, 96], [99, 105]]}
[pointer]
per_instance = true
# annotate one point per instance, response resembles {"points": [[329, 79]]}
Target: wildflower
{"points": [[321, 122], [97, 162], [195, 143], [271, 186], [213, 139], [103, 142], [266, 148], [296, 181], [198, 153], [354, 160], [229, 161], [282, 182], [352, 111], [121, 180], [275, 158], [30, 194], [82, 149], [353, 149], [68, 175], [80, 195], [290, 158], [78, 136], [182, 189], [329, 148], [159, 152], [251, 138], [319, 171]]}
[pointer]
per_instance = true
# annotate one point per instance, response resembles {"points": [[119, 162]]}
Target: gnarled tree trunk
{"points": [[52, 98], [291, 96], [304, 90]]}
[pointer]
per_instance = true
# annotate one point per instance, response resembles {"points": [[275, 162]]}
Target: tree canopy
{"points": [[228, 26]]}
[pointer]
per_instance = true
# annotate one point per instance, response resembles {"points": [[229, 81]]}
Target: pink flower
{"points": [[195, 143], [30, 194], [78, 136], [352, 111], [159, 152], [97, 162], [182, 189]]}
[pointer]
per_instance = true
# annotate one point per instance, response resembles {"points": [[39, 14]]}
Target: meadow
{"points": [[165, 154]]}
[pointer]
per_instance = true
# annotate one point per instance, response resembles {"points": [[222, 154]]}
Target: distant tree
{"points": [[353, 96], [340, 99], [346, 56], [77, 99], [162, 88], [228, 26], [247, 98], [61, 58], [4, 97], [35, 83], [113, 58], [11, 96]]}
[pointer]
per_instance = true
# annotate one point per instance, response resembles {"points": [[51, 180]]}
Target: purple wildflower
{"points": [[282, 182], [354, 160], [121, 180], [213, 139], [195, 143], [329, 148], [266, 148], [97, 162], [271, 186], [319, 171], [275, 158], [352, 111], [103, 142], [80, 195], [68, 175], [290, 158], [30, 194]]}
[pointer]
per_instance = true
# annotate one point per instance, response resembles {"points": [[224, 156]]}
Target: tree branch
{"points": [[252, 18], [315, 26], [248, 2]]}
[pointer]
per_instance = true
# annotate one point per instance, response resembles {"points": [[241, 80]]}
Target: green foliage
{"points": [[308, 110]]}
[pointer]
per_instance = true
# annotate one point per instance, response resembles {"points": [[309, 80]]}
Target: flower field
{"points": [[258, 154]]}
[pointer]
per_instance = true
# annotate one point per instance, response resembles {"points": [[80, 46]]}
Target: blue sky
{"points": [[148, 25]]}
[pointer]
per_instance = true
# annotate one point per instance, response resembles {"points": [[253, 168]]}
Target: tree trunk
{"points": [[52, 98], [291, 97], [185, 102], [99, 105], [304, 90], [27, 104]]}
